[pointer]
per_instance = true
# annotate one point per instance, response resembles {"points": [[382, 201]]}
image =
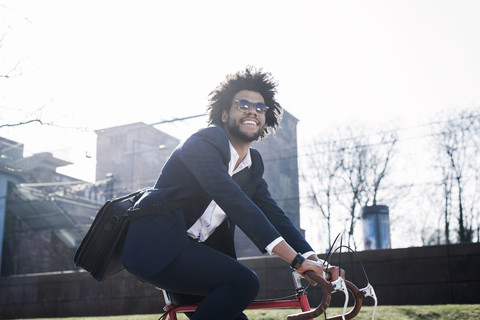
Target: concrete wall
{"points": [[427, 275]]}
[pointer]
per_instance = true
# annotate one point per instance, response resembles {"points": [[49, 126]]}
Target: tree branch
{"points": [[22, 123]]}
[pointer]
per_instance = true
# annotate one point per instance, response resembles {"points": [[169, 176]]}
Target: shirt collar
{"points": [[246, 163]]}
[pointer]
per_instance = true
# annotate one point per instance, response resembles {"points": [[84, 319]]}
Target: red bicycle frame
{"points": [[299, 300]]}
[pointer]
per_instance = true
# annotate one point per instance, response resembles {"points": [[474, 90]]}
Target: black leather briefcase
{"points": [[99, 252]]}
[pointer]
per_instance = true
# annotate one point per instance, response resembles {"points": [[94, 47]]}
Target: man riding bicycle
{"points": [[211, 183]]}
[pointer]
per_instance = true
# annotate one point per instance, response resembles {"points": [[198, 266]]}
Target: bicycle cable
{"points": [[330, 251], [166, 313], [276, 299], [358, 260]]}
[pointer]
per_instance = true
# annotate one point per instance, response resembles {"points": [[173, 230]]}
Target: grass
{"points": [[441, 312], [437, 312]]}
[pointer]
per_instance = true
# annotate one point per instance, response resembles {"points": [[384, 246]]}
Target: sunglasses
{"points": [[245, 105]]}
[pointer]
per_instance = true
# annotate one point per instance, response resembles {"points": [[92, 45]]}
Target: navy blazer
{"points": [[196, 173]]}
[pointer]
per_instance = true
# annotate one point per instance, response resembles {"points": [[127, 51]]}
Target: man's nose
{"points": [[252, 110]]}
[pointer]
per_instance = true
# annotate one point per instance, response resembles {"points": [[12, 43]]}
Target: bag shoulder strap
{"points": [[156, 209]]}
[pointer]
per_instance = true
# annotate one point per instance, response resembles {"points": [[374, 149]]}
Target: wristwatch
{"points": [[297, 261]]}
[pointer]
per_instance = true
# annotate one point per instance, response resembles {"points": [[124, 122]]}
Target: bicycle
{"points": [[299, 299]]}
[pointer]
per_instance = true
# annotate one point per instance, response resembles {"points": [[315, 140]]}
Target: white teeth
{"points": [[250, 122]]}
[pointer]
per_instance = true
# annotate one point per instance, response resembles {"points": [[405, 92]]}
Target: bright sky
{"points": [[86, 65]]}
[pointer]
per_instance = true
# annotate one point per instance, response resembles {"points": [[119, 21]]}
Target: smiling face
{"points": [[244, 126]]}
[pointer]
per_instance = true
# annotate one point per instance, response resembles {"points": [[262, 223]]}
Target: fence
{"points": [[412, 276]]}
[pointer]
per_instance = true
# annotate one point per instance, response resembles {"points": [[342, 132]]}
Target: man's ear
{"points": [[224, 116]]}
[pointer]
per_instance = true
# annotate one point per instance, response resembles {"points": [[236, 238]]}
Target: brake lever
{"points": [[368, 291], [340, 285]]}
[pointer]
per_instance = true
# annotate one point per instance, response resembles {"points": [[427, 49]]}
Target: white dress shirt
{"points": [[214, 215]]}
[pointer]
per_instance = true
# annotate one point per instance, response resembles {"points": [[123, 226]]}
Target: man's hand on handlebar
{"points": [[333, 272], [317, 266]]}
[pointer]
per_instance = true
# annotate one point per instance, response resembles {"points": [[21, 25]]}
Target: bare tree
{"points": [[458, 167], [447, 186], [366, 164], [8, 72], [348, 173], [379, 164], [321, 178], [354, 177]]}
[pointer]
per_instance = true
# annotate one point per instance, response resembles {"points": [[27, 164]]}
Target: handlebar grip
{"points": [[326, 288], [358, 297]]}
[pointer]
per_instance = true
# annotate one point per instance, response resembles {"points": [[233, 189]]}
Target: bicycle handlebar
{"points": [[327, 290], [358, 296]]}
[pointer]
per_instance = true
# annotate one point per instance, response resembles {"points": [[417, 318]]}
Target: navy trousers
{"points": [[223, 286]]}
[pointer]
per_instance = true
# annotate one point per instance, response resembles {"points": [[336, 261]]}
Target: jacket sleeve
{"points": [[206, 155], [279, 219]]}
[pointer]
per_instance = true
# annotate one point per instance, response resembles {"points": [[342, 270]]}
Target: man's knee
{"points": [[248, 281]]}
